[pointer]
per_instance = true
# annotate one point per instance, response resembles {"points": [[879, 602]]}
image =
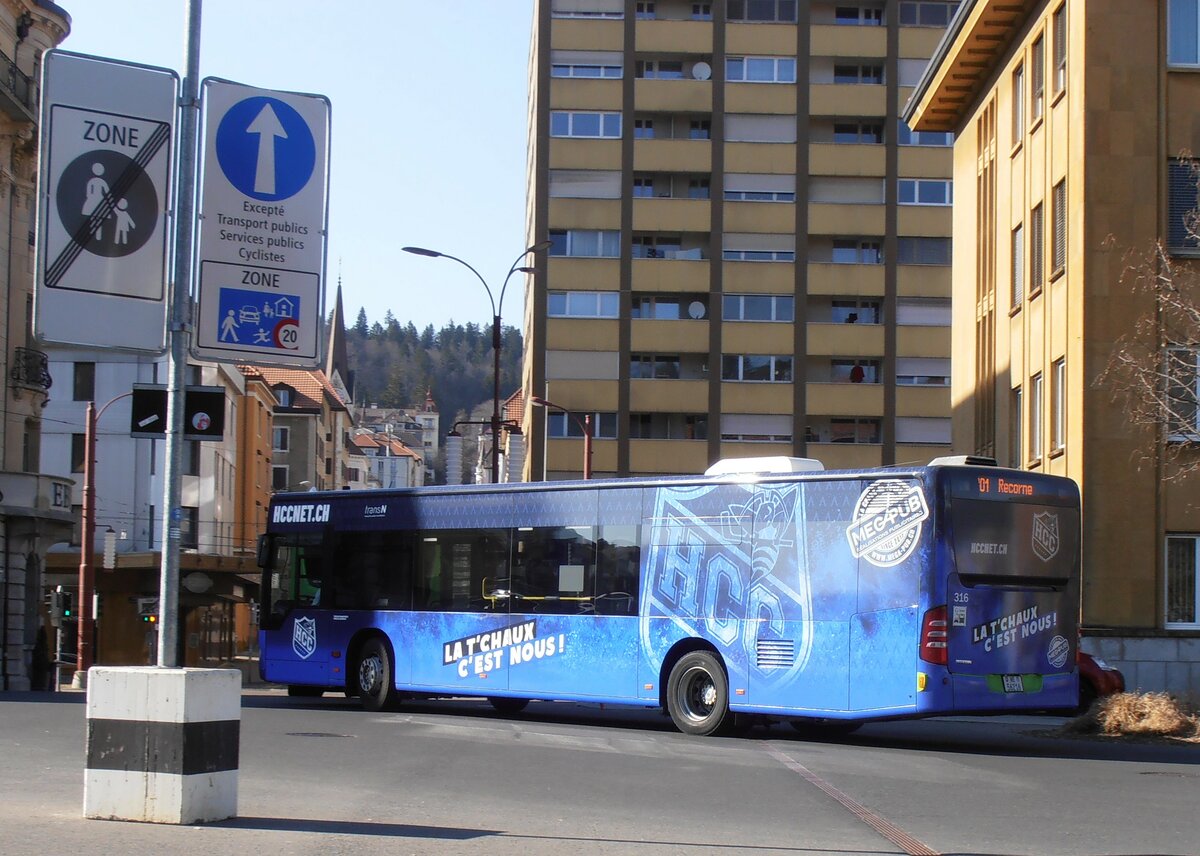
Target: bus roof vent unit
{"points": [[778, 464], [963, 461]]}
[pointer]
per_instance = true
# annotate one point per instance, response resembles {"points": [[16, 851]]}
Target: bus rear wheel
{"points": [[698, 694], [375, 676], [508, 705]]}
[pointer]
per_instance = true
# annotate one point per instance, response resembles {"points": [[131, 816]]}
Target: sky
{"points": [[428, 129]]}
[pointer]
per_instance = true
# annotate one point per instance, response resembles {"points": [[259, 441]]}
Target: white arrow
{"points": [[268, 128]]}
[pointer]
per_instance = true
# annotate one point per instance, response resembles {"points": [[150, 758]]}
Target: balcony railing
{"points": [[30, 370], [18, 90]]}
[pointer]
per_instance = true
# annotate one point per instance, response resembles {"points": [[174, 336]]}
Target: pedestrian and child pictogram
{"points": [[255, 319]]}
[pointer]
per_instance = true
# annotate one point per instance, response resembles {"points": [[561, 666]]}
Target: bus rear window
{"points": [[1014, 541]]}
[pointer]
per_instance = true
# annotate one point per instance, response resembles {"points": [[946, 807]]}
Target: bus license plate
{"points": [[1014, 684]]}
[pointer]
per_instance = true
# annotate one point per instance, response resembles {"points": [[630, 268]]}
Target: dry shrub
{"points": [[1138, 715]]}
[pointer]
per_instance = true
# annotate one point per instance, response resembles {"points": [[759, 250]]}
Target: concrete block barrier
{"points": [[162, 744]]}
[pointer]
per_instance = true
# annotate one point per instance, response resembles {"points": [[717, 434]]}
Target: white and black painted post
{"points": [[162, 744]]}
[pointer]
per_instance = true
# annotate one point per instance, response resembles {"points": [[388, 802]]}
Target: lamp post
{"points": [[585, 426], [87, 550], [496, 306]]}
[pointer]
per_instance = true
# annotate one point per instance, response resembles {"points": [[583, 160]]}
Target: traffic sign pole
{"points": [[177, 343]]}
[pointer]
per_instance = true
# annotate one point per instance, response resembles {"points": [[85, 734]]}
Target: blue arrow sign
{"points": [[265, 148]]}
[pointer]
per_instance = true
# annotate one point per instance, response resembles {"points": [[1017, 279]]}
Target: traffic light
{"points": [[61, 608], [148, 609]]}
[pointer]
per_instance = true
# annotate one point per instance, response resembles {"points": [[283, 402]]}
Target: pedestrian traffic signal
{"points": [[148, 609], [61, 608]]}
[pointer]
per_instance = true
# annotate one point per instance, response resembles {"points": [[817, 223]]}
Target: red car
{"points": [[1096, 680]]}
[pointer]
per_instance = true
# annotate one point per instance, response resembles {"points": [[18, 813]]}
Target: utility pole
{"points": [[178, 329]]}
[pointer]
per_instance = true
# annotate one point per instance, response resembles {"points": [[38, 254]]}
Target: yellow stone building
{"points": [[1069, 118], [750, 252]]}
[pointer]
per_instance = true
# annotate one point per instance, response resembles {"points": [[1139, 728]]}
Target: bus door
{"points": [[1012, 599], [294, 578]]}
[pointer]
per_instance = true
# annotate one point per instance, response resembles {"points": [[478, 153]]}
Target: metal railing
{"points": [[19, 85], [30, 369]]}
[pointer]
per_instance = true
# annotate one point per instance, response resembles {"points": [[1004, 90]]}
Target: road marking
{"points": [[882, 825]]}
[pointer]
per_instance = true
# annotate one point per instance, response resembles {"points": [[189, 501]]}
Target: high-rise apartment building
{"points": [[1074, 121], [750, 251]]}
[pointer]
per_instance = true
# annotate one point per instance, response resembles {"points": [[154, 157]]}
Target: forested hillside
{"points": [[394, 364]]}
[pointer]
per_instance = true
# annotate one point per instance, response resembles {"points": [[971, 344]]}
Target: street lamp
{"points": [[87, 551], [585, 426], [496, 306]]}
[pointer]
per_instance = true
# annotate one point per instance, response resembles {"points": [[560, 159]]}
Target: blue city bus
{"points": [[821, 597]]}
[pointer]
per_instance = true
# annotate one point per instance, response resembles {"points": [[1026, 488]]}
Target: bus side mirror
{"points": [[264, 550]]}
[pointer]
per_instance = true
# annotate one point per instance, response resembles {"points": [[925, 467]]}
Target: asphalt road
{"points": [[322, 776]]}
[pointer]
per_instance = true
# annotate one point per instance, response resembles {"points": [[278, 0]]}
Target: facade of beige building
{"points": [[1069, 117], [750, 253]]}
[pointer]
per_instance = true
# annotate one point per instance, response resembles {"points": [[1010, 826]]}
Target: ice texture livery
{"points": [[821, 597]]}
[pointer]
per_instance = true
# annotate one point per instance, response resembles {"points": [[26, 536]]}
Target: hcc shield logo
{"points": [[1045, 536], [304, 637]]}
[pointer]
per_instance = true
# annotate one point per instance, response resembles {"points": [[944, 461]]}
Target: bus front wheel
{"points": [[698, 694], [375, 677]]}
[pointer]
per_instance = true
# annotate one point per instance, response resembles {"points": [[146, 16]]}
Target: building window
{"points": [[654, 366], [926, 191], [1060, 49], [644, 10], [659, 69], [560, 425], [854, 74], [855, 311], [1058, 236], [1018, 105], [580, 123], [758, 255], [1037, 250], [698, 188], [1183, 394], [643, 129], [760, 69], [907, 137], [583, 304], [279, 477], [284, 394], [585, 243], [1018, 266], [78, 452], [610, 9], [83, 387], [191, 457], [760, 188], [700, 129], [602, 64], [856, 251], [855, 431], [858, 16], [1018, 429], [1183, 574], [643, 187], [756, 368], [1183, 32], [1058, 405], [854, 371], [765, 11], [280, 438], [923, 430], [758, 307], [922, 371], [670, 307], [927, 13], [756, 428], [702, 11], [1181, 205], [189, 527], [923, 312], [1037, 79], [923, 251], [870, 133], [668, 426], [1035, 418]]}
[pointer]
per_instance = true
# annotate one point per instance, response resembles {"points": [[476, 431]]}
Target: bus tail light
{"points": [[934, 636]]}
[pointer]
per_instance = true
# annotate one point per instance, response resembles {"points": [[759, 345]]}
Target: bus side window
{"points": [[554, 569], [619, 575]]}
